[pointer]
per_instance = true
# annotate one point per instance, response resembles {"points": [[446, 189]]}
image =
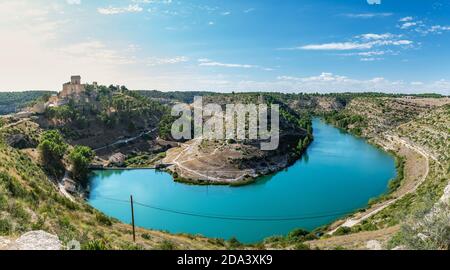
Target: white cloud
{"points": [[324, 77], [118, 10], [164, 61], [164, 2], [205, 62], [73, 2], [367, 15], [438, 29], [329, 82], [347, 46], [372, 53], [407, 25], [33, 47], [97, 50], [338, 46], [371, 59], [406, 19], [361, 42], [377, 36], [417, 83], [228, 65]]}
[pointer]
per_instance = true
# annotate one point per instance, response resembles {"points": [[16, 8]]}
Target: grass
{"points": [[30, 201]]}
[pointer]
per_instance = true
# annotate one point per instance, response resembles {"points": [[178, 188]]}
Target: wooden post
{"points": [[132, 218]]}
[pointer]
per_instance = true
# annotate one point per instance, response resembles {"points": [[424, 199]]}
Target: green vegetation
{"points": [[234, 243], [12, 102], [295, 239], [80, 158], [143, 160], [180, 96], [29, 201], [107, 108], [165, 126], [395, 183], [166, 245], [52, 149], [427, 228], [351, 122]]}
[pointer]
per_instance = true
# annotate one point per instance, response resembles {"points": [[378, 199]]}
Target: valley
{"points": [[131, 129]]}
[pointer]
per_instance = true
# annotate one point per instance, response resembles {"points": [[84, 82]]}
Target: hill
{"points": [[416, 131], [236, 162], [12, 102], [31, 200]]}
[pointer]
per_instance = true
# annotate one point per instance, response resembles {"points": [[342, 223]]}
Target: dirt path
{"points": [[356, 240]]}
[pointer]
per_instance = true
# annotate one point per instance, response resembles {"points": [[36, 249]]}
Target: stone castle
{"points": [[72, 88]]}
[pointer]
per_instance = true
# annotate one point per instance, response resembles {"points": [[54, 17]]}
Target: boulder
{"points": [[374, 245], [36, 240], [4, 243], [117, 160]]}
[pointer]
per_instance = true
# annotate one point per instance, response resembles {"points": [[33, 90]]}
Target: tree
{"points": [[52, 149], [80, 158]]}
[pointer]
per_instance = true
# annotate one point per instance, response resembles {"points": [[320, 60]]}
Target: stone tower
{"points": [[73, 88], [75, 79]]}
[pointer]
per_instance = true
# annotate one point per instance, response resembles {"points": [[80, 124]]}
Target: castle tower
{"points": [[72, 88], [75, 79]]}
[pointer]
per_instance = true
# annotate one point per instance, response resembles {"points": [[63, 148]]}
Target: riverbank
{"points": [[415, 171], [425, 174], [205, 162]]}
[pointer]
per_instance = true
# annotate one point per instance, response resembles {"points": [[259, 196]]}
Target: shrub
{"points": [[52, 149], [297, 234], [5, 227], [102, 219], [425, 230], [80, 158], [302, 246], [216, 241], [166, 245], [233, 243], [12, 185], [343, 231], [95, 245]]}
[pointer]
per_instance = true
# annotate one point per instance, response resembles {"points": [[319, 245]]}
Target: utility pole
{"points": [[132, 218]]}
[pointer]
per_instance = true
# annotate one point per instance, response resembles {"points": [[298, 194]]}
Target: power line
{"points": [[237, 218]]}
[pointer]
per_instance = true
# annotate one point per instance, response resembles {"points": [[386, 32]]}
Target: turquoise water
{"points": [[339, 174]]}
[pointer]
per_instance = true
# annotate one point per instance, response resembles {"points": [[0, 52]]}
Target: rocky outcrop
{"points": [[34, 240], [117, 160], [19, 141]]}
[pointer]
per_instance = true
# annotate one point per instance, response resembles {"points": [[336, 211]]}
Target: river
{"points": [[338, 175]]}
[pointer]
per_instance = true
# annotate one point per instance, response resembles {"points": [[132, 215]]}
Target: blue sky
{"points": [[245, 45]]}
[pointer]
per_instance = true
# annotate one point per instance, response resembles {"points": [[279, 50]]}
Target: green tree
{"points": [[80, 158], [52, 149]]}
